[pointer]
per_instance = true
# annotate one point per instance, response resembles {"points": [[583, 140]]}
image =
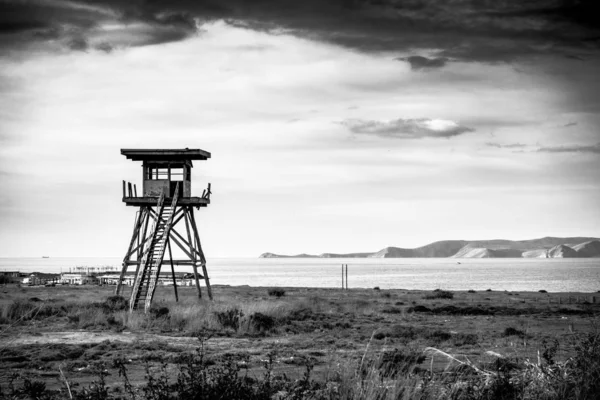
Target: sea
{"points": [[518, 274]]}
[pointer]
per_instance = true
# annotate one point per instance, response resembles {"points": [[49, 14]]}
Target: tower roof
{"points": [[165, 154]]}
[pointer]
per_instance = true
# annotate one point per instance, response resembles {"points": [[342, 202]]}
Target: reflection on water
{"points": [[553, 275]]}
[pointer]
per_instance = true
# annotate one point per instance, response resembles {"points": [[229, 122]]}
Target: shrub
{"points": [[159, 312], [488, 290], [376, 288], [418, 308], [27, 310], [439, 294], [396, 362], [471, 291], [261, 322], [229, 318], [510, 331], [542, 291], [465, 339], [115, 303], [408, 332], [276, 292]]}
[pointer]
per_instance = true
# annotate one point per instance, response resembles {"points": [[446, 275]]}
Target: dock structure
{"points": [[165, 202]]}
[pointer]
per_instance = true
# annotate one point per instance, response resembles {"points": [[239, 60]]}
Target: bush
{"points": [[510, 331], [465, 339], [229, 318], [471, 291], [439, 294], [376, 288], [277, 292], [115, 303], [261, 322], [542, 291], [418, 308], [27, 310], [396, 362], [159, 312]]}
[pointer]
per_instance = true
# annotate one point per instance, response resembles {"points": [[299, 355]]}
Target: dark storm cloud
{"points": [[405, 128], [423, 63], [468, 30], [75, 24], [595, 148]]}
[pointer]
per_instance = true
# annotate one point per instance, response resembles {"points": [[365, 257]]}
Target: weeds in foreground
{"points": [[388, 375]]}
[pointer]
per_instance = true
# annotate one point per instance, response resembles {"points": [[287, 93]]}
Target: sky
{"points": [[334, 125]]}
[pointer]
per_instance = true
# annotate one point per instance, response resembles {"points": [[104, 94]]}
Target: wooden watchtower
{"points": [[165, 201]]}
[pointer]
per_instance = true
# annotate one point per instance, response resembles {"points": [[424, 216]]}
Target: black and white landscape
{"points": [[151, 149]]}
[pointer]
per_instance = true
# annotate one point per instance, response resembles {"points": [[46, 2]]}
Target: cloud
{"points": [[595, 148], [493, 32], [407, 128], [103, 25], [423, 63], [570, 124], [506, 146]]}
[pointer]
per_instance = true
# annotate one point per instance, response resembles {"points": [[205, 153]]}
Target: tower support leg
{"points": [[202, 258], [188, 222], [140, 245], [136, 231], [173, 271]]}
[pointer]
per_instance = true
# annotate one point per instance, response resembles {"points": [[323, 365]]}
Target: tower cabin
{"points": [[162, 170]]}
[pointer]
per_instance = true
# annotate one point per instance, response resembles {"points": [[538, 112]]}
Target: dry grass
{"points": [[355, 342]]}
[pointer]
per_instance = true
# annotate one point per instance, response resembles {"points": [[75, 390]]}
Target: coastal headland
{"points": [[547, 247]]}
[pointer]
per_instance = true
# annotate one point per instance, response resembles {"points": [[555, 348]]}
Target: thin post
{"points": [[193, 255], [136, 231], [135, 190], [202, 258], [346, 276], [130, 190], [342, 276], [173, 271], [123, 189]]}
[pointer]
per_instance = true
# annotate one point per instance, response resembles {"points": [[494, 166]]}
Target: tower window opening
{"points": [[158, 173], [177, 174]]}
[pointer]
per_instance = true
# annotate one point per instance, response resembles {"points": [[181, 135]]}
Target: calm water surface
{"points": [[553, 275]]}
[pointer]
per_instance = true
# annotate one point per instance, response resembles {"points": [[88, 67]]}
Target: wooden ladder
{"points": [[147, 277]]}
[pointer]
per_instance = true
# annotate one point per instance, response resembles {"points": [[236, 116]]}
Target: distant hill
{"points": [[349, 255], [482, 252], [539, 253], [444, 248], [562, 251], [588, 249], [547, 247], [273, 255]]}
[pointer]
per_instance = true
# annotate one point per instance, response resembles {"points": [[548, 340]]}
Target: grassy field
{"points": [[81, 342]]}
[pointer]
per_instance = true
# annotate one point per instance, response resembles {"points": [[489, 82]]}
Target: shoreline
{"points": [[317, 288]]}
